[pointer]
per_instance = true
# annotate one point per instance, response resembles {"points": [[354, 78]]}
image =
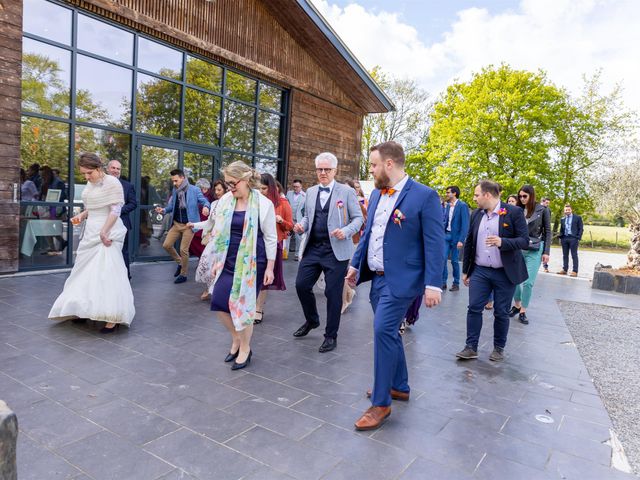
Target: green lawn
{"points": [[606, 236]]}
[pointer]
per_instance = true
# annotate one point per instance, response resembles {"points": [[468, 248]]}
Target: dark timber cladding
{"points": [[10, 93]]}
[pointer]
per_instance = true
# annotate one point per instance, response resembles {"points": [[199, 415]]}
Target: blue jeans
{"points": [[451, 247], [484, 280], [390, 366]]}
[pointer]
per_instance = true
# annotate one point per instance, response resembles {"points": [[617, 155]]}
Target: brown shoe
{"points": [[373, 418], [562, 272], [395, 395], [573, 274], [546, 270], [454, 288]]}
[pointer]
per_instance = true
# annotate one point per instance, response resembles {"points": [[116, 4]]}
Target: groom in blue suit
{"points": [[401, 253]]}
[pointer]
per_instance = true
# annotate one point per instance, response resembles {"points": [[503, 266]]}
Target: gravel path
{"points": [[608, 339]]}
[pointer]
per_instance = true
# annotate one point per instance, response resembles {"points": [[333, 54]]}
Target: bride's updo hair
{"points": [[90, 161], [242, 171]]}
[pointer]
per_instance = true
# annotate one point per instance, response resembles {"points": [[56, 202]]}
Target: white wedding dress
{"points": [[98, 287]]}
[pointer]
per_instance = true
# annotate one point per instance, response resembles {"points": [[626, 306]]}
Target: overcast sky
{"points": [[437, 41]]}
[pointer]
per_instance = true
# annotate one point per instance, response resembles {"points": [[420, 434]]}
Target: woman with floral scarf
{"points": [[244, 252]]}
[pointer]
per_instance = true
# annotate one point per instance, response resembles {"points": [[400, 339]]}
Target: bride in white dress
{"points": [[98, 287]]}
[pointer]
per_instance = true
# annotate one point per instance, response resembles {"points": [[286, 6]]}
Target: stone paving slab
{"points": [[156, 401]]}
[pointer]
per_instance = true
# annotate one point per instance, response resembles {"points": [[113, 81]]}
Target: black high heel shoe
{"points": [[110, 330], [231, 356], [238, 366]]}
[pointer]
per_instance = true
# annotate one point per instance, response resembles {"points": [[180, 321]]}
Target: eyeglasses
{"points": [[232, 185], [323, 170]]}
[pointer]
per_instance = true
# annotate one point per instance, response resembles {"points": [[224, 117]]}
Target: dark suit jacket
{"points": [[515, 237], [412, 250], [577, 228], [130, 203], [459, 222]]}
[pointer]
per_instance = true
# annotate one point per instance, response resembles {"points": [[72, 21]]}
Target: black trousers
{"points": [[569, 244], [319, 259], [125, 252]]}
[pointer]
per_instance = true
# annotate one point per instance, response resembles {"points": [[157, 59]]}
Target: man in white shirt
{"points": [[296, 199], [401, 253]]}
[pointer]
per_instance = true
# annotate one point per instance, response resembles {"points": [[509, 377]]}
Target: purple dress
{"points": [[278, 272], [222, 288]]}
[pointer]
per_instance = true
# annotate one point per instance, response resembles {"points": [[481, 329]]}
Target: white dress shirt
{"points": [[375, 252], [324, 196], [451, 211]]}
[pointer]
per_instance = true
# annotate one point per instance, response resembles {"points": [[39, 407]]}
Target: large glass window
{"points": [[270, 97], [204, 74], [157, 58], [47, 20], [46, 78], [108, 144], [201, 117], [103, 93], [268, 133], [106, 40], [241, 87], [158, 107], [238, 126], [81, 75]]}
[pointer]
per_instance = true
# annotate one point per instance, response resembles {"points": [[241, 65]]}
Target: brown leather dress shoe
{"points": [[573, 274], [395, 395], [373, 418]]}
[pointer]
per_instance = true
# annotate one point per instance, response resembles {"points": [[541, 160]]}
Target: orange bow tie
{"points": [[387, 191]]}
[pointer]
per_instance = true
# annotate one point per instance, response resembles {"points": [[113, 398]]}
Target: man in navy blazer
{"points": [[493, 262], [456, 226], [571, 229], [400, 251], [184, 202], [114, 168]]}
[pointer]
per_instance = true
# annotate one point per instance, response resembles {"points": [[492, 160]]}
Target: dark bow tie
{"points": [[325, 189]]}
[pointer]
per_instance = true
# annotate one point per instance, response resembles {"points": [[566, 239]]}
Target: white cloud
{"points": [[566, 38]]}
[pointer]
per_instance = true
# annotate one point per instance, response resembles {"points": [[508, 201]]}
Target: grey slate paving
{"points": [[156, 401]]}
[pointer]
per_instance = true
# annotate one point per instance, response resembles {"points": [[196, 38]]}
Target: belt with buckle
{"points": [[380, 273]]}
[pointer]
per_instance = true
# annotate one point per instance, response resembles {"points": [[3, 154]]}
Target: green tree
{"points": [[592, 130], [618, 193], [500, 125], [408, 124]]}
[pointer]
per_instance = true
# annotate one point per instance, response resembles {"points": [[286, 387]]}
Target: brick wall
{"points": [[10, 92], [320, 126]]}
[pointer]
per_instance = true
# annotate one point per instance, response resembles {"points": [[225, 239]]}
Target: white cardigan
{"points": [[267, 224]]}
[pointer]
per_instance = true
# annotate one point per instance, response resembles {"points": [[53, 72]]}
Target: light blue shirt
{"points": [[567, 225]]}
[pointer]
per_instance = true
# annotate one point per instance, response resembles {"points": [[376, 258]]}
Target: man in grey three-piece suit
{"points": [[332, 216]]}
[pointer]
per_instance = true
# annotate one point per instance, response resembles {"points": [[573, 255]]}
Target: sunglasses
{"points": [[323, 170], [523, 196]]}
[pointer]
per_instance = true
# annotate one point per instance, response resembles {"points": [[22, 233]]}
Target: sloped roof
{"points": [[309, 28]]}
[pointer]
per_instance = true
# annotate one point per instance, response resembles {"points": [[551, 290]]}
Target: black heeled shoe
{"points": [[231, 356], [79, 320], [238, 366], [110, 330]]}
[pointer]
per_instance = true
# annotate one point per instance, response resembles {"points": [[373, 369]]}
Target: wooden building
{"points": [[158, 85]]}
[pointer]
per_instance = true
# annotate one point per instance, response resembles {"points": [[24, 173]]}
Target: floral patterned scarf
{"points": [[242, 300]]}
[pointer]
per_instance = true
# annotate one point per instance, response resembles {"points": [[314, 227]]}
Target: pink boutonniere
{"points": [[398, 217], [502, 211], [343, 215]]}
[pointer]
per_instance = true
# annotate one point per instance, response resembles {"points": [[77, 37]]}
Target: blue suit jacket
{"points": [[412, 250], [577, 228], [194, 198], [130, 203], [459, 222], [515, 237]]}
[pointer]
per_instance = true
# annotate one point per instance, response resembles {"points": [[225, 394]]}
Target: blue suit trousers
{"points": [[483, 281], [451, 247], [390, 366]]}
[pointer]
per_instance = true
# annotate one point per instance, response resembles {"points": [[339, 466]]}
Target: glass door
{"points": [[155, 162]]}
